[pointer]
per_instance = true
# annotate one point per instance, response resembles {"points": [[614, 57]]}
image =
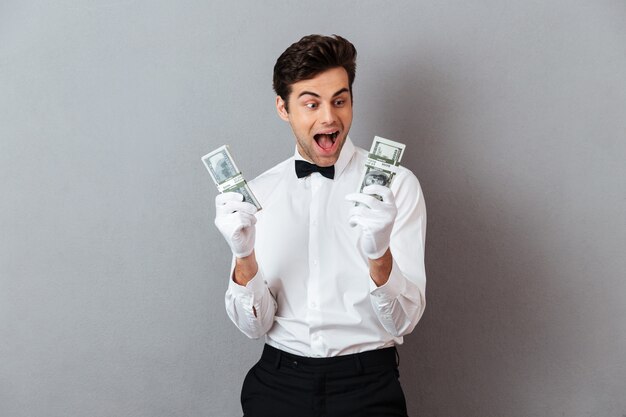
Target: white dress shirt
{"points": [[313, 295]]}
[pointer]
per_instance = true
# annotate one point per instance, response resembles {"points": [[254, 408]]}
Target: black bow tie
{"points": [[303, 168]]}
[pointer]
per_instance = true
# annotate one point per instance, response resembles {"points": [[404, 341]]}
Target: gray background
{"points": [[112, 274]]}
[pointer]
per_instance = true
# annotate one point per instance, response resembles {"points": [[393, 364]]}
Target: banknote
{"points": [[382, 163], [226, 176]]}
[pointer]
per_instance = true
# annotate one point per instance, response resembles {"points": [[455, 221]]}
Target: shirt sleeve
{"points": [[250, 307], [400, 302]]}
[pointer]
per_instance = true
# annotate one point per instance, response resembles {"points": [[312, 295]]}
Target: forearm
{"points": [[251, 306], [398, 304]]}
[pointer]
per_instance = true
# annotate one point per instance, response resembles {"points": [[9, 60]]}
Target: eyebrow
{"points": [[304, 93]]}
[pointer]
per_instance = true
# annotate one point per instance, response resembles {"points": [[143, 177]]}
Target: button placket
{"points": [[314, 263]]}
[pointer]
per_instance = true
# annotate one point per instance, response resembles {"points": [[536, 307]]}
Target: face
{"points": [[320, 115]]}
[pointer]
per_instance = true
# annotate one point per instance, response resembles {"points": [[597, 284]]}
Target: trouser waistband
{"points": [[386, 357]]}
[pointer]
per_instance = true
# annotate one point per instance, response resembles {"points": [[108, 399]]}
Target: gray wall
{"points": [[112, 274]]}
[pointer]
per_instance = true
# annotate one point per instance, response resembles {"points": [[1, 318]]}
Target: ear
{"points": [[281, 109]]}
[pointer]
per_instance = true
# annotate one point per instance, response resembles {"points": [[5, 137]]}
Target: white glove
{"points": [[235, 220], [375, 217]]}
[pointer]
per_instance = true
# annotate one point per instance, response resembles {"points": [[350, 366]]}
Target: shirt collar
{"points": [[345, 156]]}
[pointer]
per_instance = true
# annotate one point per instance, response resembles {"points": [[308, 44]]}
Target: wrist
{"points": [[245, 269], [380, 268]]}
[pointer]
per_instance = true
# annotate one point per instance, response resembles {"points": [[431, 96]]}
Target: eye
{"points": [[311, 105], [340, 102]]}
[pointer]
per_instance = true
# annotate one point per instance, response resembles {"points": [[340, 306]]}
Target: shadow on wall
{"points": [[478, 349]]}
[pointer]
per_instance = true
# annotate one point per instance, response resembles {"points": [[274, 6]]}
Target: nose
{"points": [[328, 115]]}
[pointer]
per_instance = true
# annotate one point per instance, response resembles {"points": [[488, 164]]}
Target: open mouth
{"points": [[326, 140]]}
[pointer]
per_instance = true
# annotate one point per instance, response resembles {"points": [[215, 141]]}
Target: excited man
{"points": [[333, 286]]}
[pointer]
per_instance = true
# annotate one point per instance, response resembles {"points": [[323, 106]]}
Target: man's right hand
{"points": [[235, 220]]}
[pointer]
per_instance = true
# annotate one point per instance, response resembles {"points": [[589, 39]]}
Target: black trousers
{"points": [[359, 385]]}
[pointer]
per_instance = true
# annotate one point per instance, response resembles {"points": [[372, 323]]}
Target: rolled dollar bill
{"points": [[226, 176], [382, 163]]}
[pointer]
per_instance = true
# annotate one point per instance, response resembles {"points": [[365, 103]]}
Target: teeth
{"points": [[332, 136]]}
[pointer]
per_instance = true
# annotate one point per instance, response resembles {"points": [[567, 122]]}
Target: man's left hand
{"points": [[375, 217]]}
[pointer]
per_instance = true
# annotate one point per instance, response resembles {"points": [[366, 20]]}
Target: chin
{"points": [[328, 160]]}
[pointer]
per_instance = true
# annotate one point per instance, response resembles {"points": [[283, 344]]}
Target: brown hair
{"points": [[310, 56]]}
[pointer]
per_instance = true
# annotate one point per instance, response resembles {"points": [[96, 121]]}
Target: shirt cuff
{"points": [[254, 287], [390, 290]]}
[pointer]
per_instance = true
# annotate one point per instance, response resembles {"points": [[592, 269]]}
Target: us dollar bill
{"points": [[382, 163], [226, 176]]}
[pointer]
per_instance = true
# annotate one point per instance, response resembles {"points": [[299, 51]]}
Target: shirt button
{"points": [[313, 305]]}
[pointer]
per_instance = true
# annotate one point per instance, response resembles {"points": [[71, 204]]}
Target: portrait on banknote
{"points": [[376, 178], [220, 167]]}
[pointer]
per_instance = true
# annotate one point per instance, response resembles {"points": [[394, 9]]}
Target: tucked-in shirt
{"points": [[313, 294]]}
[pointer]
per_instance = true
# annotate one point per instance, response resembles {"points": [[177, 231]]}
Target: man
{"points": [[332, 285]]}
